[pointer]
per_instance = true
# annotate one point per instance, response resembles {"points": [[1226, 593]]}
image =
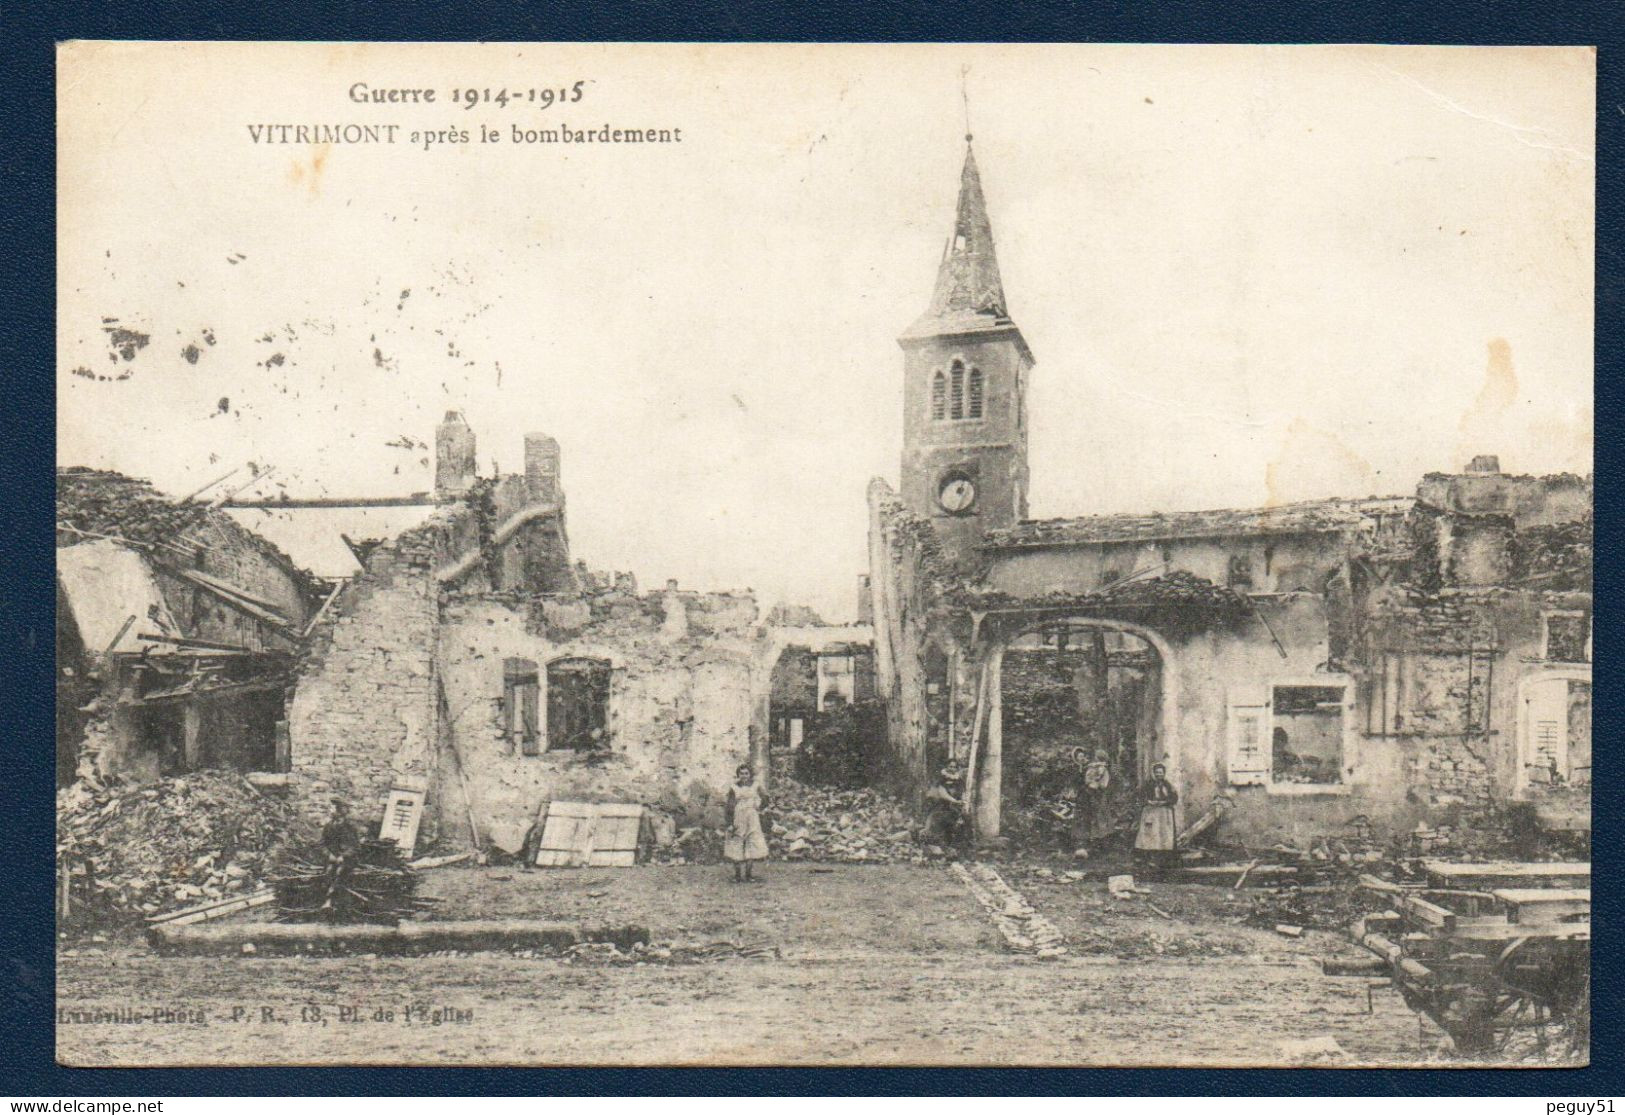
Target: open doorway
{"points": [[1074, 693], [793, 697]]}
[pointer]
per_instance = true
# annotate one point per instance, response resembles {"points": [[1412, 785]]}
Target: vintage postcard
{"points": [[1074, 555]]}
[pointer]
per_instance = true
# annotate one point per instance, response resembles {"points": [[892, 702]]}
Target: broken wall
{"points": [[908, 572], [1531, 501], [795, 680], [1438, 733], [679, 703], [364, 708]]}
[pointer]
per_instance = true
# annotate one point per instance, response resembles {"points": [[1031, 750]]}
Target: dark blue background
{"points": [[27, 458]]}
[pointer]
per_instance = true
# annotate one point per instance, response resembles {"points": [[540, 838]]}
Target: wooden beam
{"points": [[322, 611], [1479, 874], [254, 611], [416, 499], [192, 735], [119, 636], [230, 688], [1544, 907], [1429, 913], [221, 501], [219, 908], [1197, 827], [201, 644], [244, 594], [218, 480]]}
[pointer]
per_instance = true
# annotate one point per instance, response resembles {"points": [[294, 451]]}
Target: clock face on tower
{"points": [[957, 493]]}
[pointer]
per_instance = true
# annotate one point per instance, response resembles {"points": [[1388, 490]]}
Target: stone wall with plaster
{"points": [[679, 707]]}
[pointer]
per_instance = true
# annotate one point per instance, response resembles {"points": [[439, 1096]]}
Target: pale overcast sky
{"points": [[1248, 274]]}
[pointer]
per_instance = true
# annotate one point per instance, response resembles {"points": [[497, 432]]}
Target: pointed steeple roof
{"points": [[969, 276], [969, 295]]}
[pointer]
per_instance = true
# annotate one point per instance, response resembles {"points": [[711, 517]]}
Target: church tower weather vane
{"points": [[964, 96]]}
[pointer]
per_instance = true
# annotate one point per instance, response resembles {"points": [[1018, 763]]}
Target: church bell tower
{"points": [[965, 376]]}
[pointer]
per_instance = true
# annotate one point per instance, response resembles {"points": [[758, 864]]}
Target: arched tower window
{"points": [[939, 397], [973, 404], [956, 391]]}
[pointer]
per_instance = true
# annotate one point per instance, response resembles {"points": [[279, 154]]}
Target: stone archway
{"points": [[1154, 743], [771, 643]]}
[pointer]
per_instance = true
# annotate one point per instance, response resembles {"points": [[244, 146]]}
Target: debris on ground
{"points": [[695, 844], [610, 954], [724, 950], [1122, 886], [1023, 928], [377, 887], [134, 850], [1329, 908], [843, 826]]}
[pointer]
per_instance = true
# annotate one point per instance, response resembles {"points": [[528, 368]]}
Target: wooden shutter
{"points": [[531, 727], [1248, 735], [402, 816], [567, 836], [510, 703], [615, 837], [584, 834], [521, 726], [1546, 711]]}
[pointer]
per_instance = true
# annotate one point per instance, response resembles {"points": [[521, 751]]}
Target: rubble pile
{"points": [[1023, 928], [107, 503], [131, 851], [1179, 600], [695, 844], [1330, 908], [91, 503], [843, 826]]}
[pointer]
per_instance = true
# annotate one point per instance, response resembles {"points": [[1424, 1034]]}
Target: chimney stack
{"points": [[542, 469]]}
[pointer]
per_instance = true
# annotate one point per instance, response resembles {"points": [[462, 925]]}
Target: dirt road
{"points": [[877, 965]]}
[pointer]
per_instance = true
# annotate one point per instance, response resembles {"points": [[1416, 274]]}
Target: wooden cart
{"points": [[1488, 965]]}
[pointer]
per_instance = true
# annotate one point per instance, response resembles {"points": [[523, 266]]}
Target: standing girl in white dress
{"points": [[745, 842]]}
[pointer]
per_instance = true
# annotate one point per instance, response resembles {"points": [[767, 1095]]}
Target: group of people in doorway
{"points": [[947, 822], [1095, 810]]}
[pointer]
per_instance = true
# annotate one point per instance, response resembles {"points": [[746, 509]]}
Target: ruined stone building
{"points": [[472, 657], [1382, 662], [178, 634], [464, 654]]}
